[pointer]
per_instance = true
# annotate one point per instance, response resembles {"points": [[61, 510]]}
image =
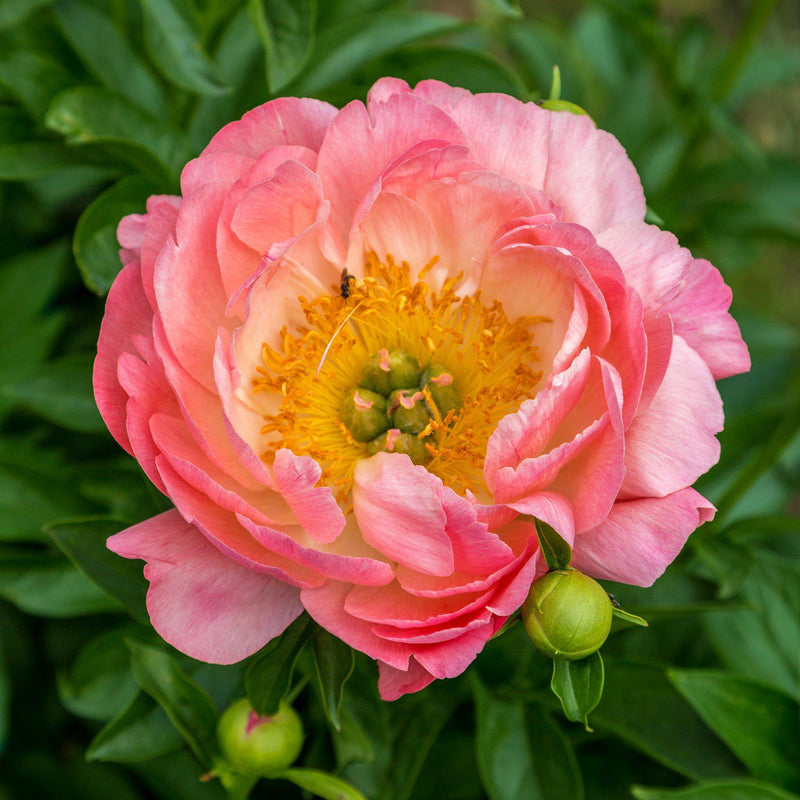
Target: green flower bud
{"points": [[394, 441], [364, 414], [390, 369], [256, 745], [408, 411], [439, 383], [567, 614]]}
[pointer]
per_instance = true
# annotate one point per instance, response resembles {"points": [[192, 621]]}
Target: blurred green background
{"points": [[101, 103]]}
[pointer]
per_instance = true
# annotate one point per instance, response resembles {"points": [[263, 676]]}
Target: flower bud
{"points": [[364, 414], [257, 745], [439, 383], [408, 411], [567, 614], [390, 369]]}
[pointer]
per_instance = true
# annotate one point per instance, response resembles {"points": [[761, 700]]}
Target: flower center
{"points": [[464, 364]]}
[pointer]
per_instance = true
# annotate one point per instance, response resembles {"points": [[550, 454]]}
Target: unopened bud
{"points": [[567, 614], [258, 745], [408, 411], [395, 441], [439, 382]]}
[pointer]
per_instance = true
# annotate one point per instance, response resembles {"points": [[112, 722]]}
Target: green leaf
{"points": [[322, 784], [99, 684], [269, 676], [22, 161], [95, 244], [579, 686], [504, 8], [90, 115], [174, 45], [33, 79], [642, 707], [557, 553], [84, 542], [343, 48], [139, 732], [626, 616], [186, 704], [334, 662], [48, 586], [61, 392], [286, 28], [109, 55], [717, 790], [5, 696], [521, 755], [760, 724], [12, 12]]}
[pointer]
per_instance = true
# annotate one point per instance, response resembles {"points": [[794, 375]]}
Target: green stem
{"points": [[237, 786], [752, 25]]}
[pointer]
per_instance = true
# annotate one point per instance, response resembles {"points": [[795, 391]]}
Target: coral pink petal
{"points": [[160, 228], [200, 601], [434, 634], [285, 121], [314, 506], [360, 143], [590, 176], [326, 605], [400, 513], [640, 538], [700, 315], [127, 316], [394, 683], [188, 287], [449, 659], [552, 508], [686, 409], [214, 168]]}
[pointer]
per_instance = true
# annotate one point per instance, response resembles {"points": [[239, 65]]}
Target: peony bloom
{"points": [[510, 340]]}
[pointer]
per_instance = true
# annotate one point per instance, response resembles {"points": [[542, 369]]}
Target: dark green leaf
{"points": [[84, 541], [22, 161], [140, 732], [718, 790], [504, 8], [95, 244], [579, 686], [322, 784], [760, 724], [286, 28], [334, 661], [109, 55], [61, 392], [13, 12], [626, 616], [49, 587], [5, 695], [345, 47], [521, 756], [174, 45], [99, 684], [33, 79], [557, 553], [642, 707], [269, 676], [90, 115], [186, 704]]}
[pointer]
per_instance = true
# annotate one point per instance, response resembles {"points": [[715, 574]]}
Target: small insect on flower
{"points": [[344, 283]]}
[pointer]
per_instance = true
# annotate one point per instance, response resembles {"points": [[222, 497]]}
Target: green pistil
{"points": [[395, 403]]}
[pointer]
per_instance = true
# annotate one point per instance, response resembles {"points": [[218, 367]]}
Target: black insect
{"points": [[344, 283], [614, 601]]}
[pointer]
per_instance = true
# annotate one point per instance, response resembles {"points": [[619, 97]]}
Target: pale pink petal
{"points": [[672, 443], [400, 513], [200, 601], [214, 168], [394, 683], [314, 506], [127, 315], [285, 121], [640, 538]]}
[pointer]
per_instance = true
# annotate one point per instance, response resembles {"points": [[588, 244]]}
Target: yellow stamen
{"points": [[490, 357]]}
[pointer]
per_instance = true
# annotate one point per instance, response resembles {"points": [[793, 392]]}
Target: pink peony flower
{"points": [[556, 356]]}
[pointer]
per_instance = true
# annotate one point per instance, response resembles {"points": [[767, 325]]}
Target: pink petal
{"points": [[394, 683], [400, 514], [640, 538], [672, 443], [201, 602]]}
